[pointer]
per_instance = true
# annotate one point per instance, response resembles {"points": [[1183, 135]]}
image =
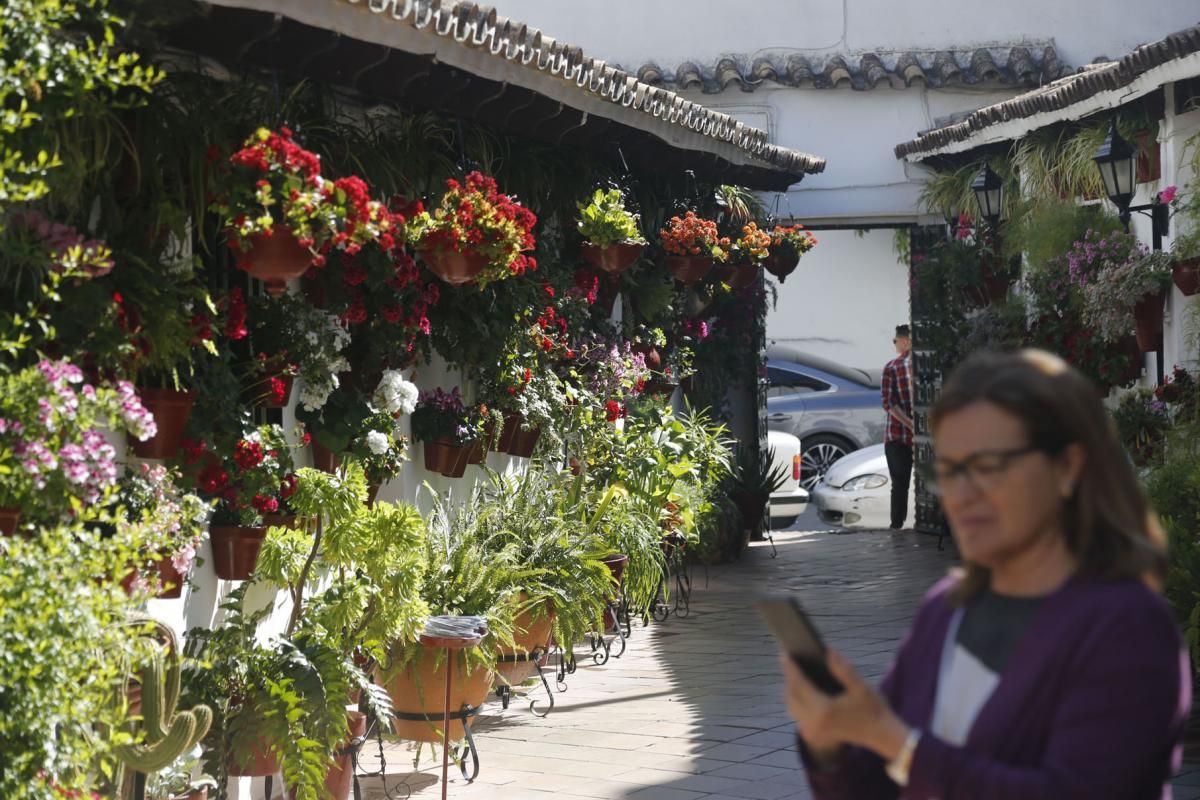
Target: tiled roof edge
{"points": [[1062, 94], [1029, 64], [480, 27]]}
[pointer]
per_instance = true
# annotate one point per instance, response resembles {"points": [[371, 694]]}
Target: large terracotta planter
{"points": [[689, 270], [235, 550], [421, 689], [1148, 319], [276, 259], [10, 517], [614, 258], [253, 761], [340, 778], [445, 457], [454, 268], [172, 410], [531, 632], [743, 276], [1186, 274], [324, 459], [781, 265]]}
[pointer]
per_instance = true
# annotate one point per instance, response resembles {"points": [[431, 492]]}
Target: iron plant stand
{"points": [[538, 655], [602, 643]]}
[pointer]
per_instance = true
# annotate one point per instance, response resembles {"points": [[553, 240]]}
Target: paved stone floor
{"points": [[693, 709]]}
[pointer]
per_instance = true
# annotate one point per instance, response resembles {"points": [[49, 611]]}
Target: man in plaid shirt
{"points": [[898, 439]]}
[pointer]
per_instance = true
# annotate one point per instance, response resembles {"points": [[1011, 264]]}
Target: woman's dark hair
{"points": [[1110, 529]]}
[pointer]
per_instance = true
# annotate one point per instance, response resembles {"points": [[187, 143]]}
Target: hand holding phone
{"points": [[799, 638]]}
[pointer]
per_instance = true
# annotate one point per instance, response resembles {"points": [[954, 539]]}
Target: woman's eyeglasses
{"points": [[983, 470]]}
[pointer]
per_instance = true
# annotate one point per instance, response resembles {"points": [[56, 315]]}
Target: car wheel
{"points": [[817, 455]]}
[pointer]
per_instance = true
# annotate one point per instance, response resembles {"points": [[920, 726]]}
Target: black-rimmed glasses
{"points": [[983, 470]]}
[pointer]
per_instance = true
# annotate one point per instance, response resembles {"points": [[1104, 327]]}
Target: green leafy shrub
{"points": [[604, 221]]}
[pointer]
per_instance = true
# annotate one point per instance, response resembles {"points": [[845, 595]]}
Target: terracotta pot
{"points": [[324, 459], [743, 276], [525, 442], [723, 272], [171, 410], [10, 517], [1186, 274], [256, 761], [1149, 161], [275, 259], [614, 258], [477, 452], [689, 270], [261, 395], [650, 355], [616, 564], [445, 457], [454, 268], [235, 550], [780, 265], [170, 579], [421, 689], [340, 778], [1148, 319], [373, 494], [658, 388], [508, 434], [531, 631]]}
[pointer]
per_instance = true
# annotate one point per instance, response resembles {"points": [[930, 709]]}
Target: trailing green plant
{"points": [[605, 221], [66, 651], [1110, 299]]}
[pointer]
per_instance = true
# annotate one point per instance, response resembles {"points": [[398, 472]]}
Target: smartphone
{"points": [[799, 637]]}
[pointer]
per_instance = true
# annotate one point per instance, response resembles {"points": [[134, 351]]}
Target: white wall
{"points": [[845, 299]]}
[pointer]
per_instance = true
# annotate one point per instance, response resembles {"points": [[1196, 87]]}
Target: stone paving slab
{"points": [[693, 710]]}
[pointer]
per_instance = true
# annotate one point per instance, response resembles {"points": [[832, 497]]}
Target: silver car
{"points": [[834, 409]]}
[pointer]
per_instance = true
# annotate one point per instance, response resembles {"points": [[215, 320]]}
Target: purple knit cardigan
{"points": [[1091, 705]]}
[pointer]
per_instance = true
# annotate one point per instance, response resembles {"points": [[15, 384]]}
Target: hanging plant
{"points": [[743, 257], [476, 234], [691, 244], [1123, 286], [788, 244], [281, 216], [614, 240]]}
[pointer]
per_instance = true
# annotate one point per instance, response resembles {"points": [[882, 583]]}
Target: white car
{"points": [[792, 499], [856, 492]]}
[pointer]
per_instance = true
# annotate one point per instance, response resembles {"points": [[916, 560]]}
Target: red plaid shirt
{"points": [[897, 393]]}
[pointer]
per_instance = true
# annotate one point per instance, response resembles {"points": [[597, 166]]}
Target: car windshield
{"points": [[870, 378]]}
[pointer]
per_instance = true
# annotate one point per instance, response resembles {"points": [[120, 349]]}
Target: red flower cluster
{"points": [[287, 487], [614, 410], [278, 148], [247, 454], [193, 449], [212, 479], [235, 315], [587, 286], [278, 390], [265, 505]]}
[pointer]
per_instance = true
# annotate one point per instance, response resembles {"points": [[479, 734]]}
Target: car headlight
{"points": [[865, 482]]}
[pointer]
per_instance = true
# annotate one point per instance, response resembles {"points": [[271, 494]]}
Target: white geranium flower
{"points": [[395, 394], [377, 442]]}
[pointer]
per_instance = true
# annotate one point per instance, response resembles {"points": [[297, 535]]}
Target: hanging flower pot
{"points": [[743, 276], [273, 390], [1149, 162], [723, 272], [275, 259], [781, 265], [508, 434], [525, 442], [650, 355], [170, 579], [10, 517], [614, 258], [324, 459], [447, 458], [1186, 274], [478, 451], [454, 267], [689, 270], [235, 550], [171, 409], [420, 689], [1148, 319], [373, 493]]}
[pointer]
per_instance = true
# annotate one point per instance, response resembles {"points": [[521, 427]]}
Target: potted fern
{"points": [[755, 480], [472, 579], [614, 240]]}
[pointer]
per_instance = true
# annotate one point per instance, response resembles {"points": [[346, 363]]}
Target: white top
{"points": [[964, 685]]}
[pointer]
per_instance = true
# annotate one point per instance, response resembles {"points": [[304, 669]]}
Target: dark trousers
{"points": [[900, 464]]}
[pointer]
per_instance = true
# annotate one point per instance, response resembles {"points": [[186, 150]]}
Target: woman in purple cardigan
{"points": [[1048, 668]]}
